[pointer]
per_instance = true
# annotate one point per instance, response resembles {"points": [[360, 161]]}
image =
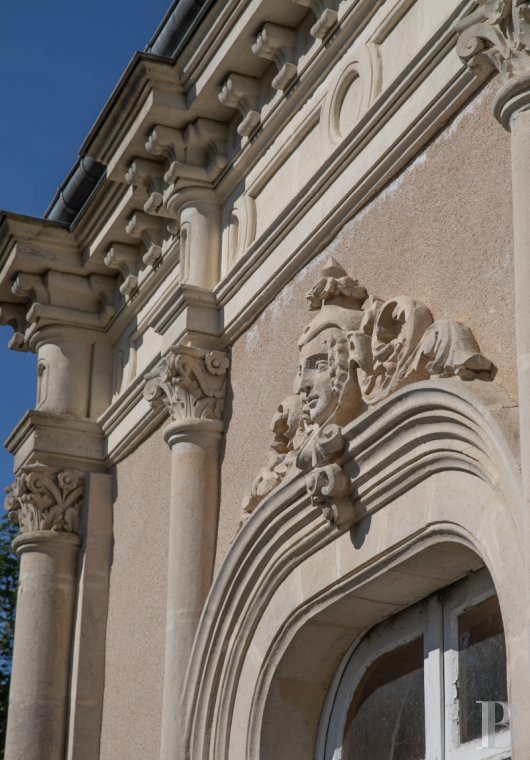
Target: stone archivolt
{"points": [[43, 498], [190, 383], [355, 352]]}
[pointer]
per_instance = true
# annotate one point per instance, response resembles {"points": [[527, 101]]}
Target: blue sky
{"points": [[59, 62]]}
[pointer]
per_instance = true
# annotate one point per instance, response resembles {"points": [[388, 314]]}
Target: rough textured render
{"points": [[425, 236], [137, 601]]}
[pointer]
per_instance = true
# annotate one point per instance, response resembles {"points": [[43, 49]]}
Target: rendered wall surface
{"points": [[441, 232], [137, 605]]}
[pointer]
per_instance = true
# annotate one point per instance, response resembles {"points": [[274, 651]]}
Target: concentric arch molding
{"points": [[424, 430]]}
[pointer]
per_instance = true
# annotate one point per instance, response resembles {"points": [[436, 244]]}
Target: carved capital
{"points": [[190, 383], [43, 498], [496, 34]]}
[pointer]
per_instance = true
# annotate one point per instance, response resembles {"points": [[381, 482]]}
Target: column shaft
{"points": [[192, 536], [520, 129], [41, 659]]}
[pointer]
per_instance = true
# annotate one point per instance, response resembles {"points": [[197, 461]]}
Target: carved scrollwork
{"points": [[190, 383], [497, 34], [42, 498], [328, 488], [355, 352], [399, 343]]}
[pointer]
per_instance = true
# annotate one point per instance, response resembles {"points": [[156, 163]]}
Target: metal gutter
{"points": [[180, 22], [75, 191]]}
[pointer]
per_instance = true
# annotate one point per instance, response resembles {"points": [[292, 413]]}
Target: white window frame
{"points": [[463, 596], [436, 619]]}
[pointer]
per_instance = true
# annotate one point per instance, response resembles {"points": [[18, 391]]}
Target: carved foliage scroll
{"points": [[42, 498], [355, 352], [497, 34], [190, 383]]}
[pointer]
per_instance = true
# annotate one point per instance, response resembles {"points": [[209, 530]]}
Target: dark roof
{"points": [[178, 25]]}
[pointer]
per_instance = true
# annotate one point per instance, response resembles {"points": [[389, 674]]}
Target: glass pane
{"points": [[481, 669], [386, 719]]}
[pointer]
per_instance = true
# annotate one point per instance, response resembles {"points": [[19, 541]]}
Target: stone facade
{"points": [[283, 387]]}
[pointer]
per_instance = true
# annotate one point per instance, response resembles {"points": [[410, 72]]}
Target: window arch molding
{"points": [[271, 612]]}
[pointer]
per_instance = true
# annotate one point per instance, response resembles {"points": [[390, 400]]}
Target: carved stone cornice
{"points": [[124, 258], [277, 43], [60, 299], [43, 499], [242, 92], [190, 383], [326, 16], [189, 161]]}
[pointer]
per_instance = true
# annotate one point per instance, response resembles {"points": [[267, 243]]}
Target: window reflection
{"points": [[386, 719], [481, 666]]}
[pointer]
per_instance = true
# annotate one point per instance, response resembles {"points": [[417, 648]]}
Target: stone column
{"points": [[190, 383], [200, 237], [496, 36], [46, 504]]}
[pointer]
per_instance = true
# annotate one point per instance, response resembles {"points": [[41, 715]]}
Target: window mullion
{"points": [[434, 677]]}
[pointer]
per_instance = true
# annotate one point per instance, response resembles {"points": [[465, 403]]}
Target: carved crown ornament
{"points": [[355, 352], [497, 34], [43, 498], [190, 383]]}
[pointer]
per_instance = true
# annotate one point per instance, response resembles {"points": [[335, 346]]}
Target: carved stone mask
{"points": [[327, 380], [319, 397]]}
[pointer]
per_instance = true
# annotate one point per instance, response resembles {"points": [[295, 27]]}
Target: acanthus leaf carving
{"points": [[44, 498], [354, 353], [190, 383], [496, 34]]}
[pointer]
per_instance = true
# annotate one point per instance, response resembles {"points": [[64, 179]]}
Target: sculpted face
{"points": [[319, 399]]}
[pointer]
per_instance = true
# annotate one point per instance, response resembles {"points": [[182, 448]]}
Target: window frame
{"points": [[436, 620]]}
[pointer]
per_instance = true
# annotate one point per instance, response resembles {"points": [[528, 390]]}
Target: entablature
{"points": [[230, 168], [57, 440]]}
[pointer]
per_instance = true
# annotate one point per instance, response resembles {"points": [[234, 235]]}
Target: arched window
{"points": [[427, 684]]}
